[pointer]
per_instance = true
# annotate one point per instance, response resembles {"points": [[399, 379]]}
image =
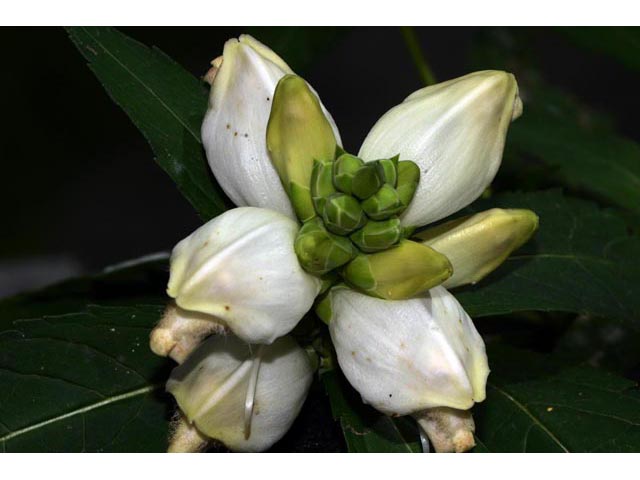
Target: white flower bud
{"points": [[455, 131], [244, 80], [245, 396], [241, 268], [406, 356]]}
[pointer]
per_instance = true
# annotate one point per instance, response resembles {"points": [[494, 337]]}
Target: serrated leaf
{"points": [[535, 404], [163, 100], [558, 140], [581, 155], [366, 430], [76, 371], [582, 259], [300, 47]]}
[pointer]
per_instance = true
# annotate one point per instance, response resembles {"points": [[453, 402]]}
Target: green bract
{"points": [[349, 208], [297, 134]]}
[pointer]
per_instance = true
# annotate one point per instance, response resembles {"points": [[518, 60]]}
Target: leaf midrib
{"points": [[141, 82], [533, 418], [82, 410]]}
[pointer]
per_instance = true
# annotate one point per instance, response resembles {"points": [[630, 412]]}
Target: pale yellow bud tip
{"points": [[517, 107], [210, 76]]}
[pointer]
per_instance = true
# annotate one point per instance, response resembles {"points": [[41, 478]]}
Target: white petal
{"points": [[234, 127], [218, 380], [409, 355], [455, 131], [241, 268]]}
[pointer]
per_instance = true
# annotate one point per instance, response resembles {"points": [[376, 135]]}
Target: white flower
{"points": [[455, 131], [235, 125], [241, 268], [409, 355], [245, 396], [420, 356]]}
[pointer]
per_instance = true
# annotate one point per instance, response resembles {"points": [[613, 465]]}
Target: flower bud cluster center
{"points": [[357, 207]]}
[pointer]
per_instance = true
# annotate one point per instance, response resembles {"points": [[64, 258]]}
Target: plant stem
{"points": [[417, 55]]}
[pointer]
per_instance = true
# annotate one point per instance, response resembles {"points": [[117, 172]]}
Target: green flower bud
{"points": [[383, 204], [321, 184], [477, 244], [377, 236], [398, 273], [297, 133], [344, 169], [388, 170], [320, 251], [366, 181], [343, 214], [408, 179]]}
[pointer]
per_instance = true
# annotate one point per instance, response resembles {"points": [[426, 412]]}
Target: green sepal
{"points": [[378, 236], [398, 273], [408, 179], [388, 170], [321, 183], [297, 133], [366, 181], [344, 168], [342, 214], [320, 251], [323, 308], [383, 204]]}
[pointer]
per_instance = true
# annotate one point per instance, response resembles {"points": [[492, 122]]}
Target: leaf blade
{"points": [[366, 430], [164, 101], [550, 406], [76, 373]]}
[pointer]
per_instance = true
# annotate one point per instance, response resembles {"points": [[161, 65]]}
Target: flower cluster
{"points": [[317, 226]]}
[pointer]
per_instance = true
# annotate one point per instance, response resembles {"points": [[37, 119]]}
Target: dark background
{"points": [[80, 189]]}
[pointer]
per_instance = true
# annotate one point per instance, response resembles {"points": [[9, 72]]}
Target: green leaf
{"points": [[535, 404], [365, 429], [583, 155], [300, 47], [582, 259], [76, 371], [163, 100], [621, 43], [558, 140]]}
